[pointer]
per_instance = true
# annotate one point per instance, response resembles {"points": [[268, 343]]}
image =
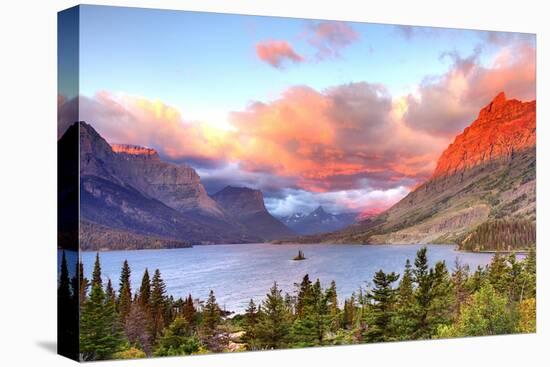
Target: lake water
{"points": [[237, 273]]}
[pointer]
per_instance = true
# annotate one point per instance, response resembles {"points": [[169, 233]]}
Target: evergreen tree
{"points": [[124, 301], [406, 303], [96, 275], [349, 312], [423, 282], [158, 304], [251, 318], [498, 274], [64, 293], [274, 324], [189, 312], [304, 295], [67, 313], [331, 298], [459, 279], [144, 297], [442, 300], [110, 296], [100, 337], [384, 301], [84, 284], [211, 317]]}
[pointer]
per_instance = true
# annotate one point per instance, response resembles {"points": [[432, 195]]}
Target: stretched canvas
{"points": [[233, 183]]}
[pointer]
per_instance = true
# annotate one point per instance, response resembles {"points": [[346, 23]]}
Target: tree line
{"points": [[501, 235], [421, 303]]}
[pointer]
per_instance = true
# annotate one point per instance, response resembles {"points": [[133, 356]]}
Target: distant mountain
{"points": [[487, 174], [318, 221], [130, 198], [247, 207]]}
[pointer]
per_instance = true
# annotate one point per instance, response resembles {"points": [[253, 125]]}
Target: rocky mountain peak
{"points": [[241, 200], [319, 211], [135, 151], [503, 127]]}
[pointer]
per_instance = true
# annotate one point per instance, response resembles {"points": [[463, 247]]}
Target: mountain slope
{"points": [[247, 207], [487, 173], [318, 221]]}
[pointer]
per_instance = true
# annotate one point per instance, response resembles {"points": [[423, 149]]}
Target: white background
{"points": [[28, 182]]}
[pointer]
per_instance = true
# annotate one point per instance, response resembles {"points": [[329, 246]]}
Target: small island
{"points": [[300, 256]]}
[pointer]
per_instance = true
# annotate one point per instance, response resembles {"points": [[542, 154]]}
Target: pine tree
{"points": [[423, 282], [384, 302], [110, 296], [64, 293], [406, 303], [100, 337], [211, 315], [331, 298], [459, 279], [84, 284], [274, 324], [189, 311], [67, 313], [96, 275], [442, 300], [251, 318], [349, 312], [124, 301], [158, 304], [498, 274], [144, 297], [304, 295]]}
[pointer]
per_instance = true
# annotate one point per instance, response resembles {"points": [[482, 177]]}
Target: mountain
{"points": [[177, 186], [318, 221], [130, 198], [485, 176], [247, 207]]}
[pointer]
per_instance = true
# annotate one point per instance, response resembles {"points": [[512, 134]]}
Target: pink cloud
{"points": [[276, 53], [329, 37], [446, 104]]}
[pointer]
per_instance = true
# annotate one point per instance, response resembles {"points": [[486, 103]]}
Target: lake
{"points": [[237, 273]]}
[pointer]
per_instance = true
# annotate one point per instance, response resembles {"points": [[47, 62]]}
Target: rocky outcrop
{"points": [[247, 207], [177, 186], [502, 128]]}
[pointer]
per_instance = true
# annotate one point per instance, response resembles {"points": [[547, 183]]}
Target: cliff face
{"points": [[502, 129], [487, 173], [247, 207], [177, 186]]}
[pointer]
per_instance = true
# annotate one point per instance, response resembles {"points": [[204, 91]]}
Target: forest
{"points": [[422, 302], [501, 235]]}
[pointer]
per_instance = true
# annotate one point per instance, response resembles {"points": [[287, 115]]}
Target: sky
{"points": [[348, 115]]}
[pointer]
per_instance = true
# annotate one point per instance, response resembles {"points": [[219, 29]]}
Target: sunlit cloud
{"points": [[330, 37], [277, 53]]}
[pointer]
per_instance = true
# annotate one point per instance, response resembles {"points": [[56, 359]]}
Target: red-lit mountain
{"points": [[487, 175]]}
